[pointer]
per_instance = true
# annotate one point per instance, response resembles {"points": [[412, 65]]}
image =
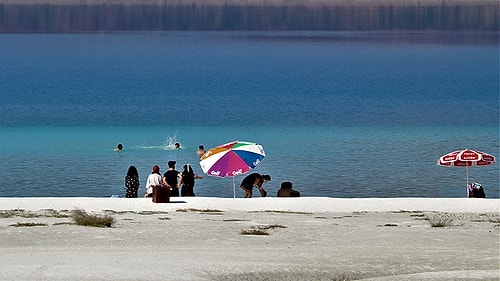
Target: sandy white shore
{"points": [[202, 239], [303, 204]]}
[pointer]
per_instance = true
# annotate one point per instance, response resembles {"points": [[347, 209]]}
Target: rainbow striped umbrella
{"points": [[232, 159]]}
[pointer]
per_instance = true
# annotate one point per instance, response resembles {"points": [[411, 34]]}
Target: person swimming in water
{"points": [[200, 151], [119, 147]]}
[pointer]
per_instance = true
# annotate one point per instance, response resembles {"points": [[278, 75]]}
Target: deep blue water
{"points": [[339, 114]]}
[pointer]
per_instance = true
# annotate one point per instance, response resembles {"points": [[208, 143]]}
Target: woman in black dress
{"points": [[187, 181], [132, 183]]}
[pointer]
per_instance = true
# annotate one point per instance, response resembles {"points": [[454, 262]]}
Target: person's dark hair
{"points": [[120, 146], [156, 169], [132, 171], [286, 185], [171, 164], [266, 177], [201, 147]]}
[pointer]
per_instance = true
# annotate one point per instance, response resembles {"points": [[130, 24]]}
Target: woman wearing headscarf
{"points": [[187, 181]]}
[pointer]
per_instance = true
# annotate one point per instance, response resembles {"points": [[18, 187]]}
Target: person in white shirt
{"points": [[154, 179]]}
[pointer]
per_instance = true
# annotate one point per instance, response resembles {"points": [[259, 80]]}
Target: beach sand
{"points": [[201, 239]]}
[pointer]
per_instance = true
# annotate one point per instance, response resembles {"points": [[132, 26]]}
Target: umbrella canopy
{"points": [[466, 158], [232, 159]]}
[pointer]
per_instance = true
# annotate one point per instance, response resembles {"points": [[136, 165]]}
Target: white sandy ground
{"points": [[201, 239]]}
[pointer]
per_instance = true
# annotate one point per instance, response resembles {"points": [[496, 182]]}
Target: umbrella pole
{"points": [[234, 189], [467, 175]]}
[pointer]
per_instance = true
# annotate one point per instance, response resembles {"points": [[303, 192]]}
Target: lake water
{"points": [[339, 114]]}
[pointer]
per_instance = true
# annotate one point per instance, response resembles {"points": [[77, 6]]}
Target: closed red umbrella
{"points": [[466, 158]]}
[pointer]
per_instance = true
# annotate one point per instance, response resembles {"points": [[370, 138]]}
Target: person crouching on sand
{"points": [[254, 180]]}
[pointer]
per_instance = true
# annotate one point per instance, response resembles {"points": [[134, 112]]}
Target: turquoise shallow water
{"points": [[338, 114], [320, 161]]}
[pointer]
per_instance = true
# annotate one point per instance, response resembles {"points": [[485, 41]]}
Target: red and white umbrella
{"points": [[466, 158]]}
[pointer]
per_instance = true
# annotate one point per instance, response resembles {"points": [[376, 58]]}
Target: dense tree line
{"points": [[249, 15]]}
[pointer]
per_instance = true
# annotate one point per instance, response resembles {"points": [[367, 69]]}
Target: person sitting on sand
{"points": [[254, 180], [287, 191], [476, 190], [154, 179]]}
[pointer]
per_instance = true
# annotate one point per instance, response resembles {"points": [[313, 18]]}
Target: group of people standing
{"points": [[172, 179], [175, 181]]}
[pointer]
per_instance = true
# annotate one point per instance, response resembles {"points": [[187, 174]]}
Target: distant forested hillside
{"points": [[18, 16]]}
